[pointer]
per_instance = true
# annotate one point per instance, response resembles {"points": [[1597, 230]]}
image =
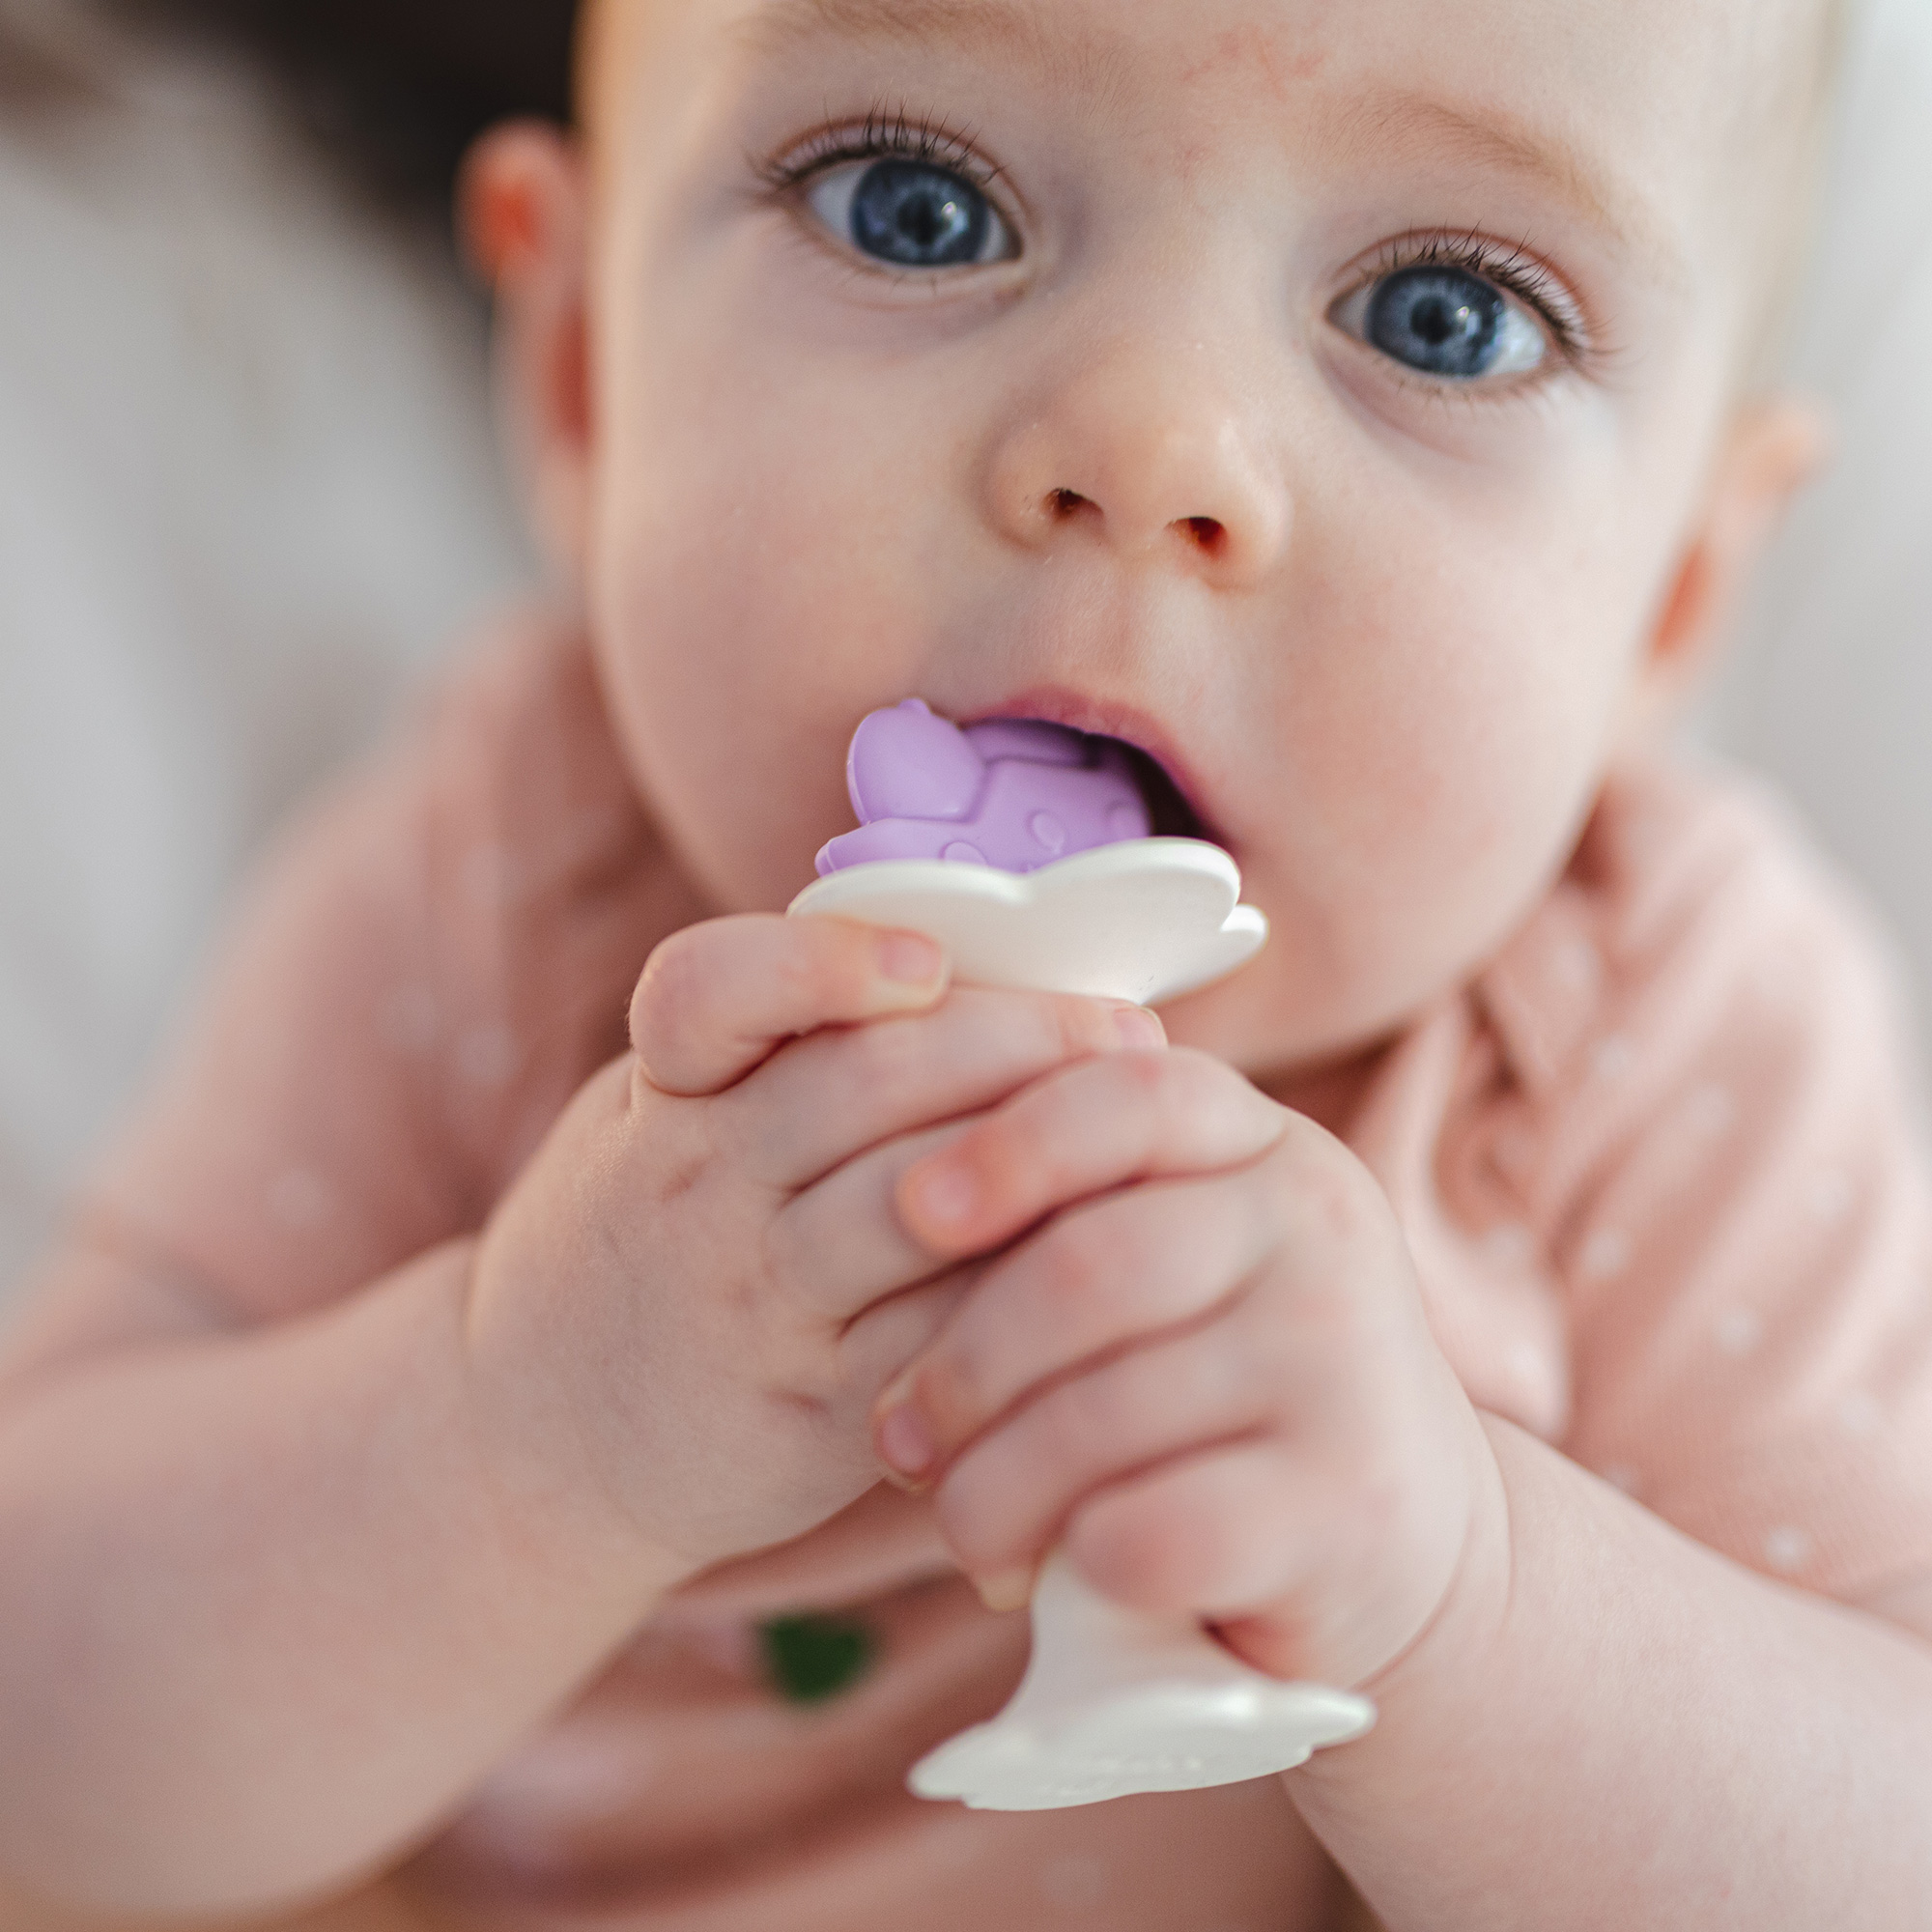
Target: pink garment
{"points": [[1657, 1166]]}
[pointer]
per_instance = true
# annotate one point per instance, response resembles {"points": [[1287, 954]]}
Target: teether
{"points": [[1022, 849]]}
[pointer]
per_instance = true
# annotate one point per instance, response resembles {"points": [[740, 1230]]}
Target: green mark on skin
{"points": [[812, 1658]]}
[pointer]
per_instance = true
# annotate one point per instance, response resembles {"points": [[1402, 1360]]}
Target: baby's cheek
{"points": [[739, 759], [1430, 783], [1464, 751], [751, 608]]}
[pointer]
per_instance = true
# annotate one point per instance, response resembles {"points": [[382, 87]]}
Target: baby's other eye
{"points": [[1445, 321], [911, 214]]}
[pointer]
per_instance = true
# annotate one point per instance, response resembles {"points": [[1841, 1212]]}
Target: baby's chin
{"points": [[1314, 1002], [1273, 1031]]}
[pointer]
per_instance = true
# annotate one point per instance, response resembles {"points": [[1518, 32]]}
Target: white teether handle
{"points": [[1113, 1703]]}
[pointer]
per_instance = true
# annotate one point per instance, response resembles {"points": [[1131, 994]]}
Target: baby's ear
{"points": [[521, 207], [1774, 446]]}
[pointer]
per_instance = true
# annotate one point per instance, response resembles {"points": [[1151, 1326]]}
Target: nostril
{"points": [[1063, 504], [1209, 534]]}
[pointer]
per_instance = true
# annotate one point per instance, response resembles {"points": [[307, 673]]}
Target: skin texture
{"points": [[1078, 1276], [1398, 755]]}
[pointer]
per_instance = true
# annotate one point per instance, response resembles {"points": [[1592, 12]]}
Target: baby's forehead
{"points": [[1741, 33], [1699, 108], [1733, 57]]}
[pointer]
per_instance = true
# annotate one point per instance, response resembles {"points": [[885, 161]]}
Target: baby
{"points": [[1511, 1298]]}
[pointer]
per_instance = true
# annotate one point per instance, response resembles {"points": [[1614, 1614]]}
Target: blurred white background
{"points": [[247, 493], [1830, 688]]}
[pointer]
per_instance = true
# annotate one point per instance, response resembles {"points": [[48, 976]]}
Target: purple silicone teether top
{"points": [[1012, 794]]}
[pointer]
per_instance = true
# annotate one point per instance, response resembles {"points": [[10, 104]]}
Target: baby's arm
{"points": [[195, 1517], [1215, 1388], [1610, 1725], [1219, 1395], [270, 1595], [1710, 1705], [288, 1553], [274, 1597]]}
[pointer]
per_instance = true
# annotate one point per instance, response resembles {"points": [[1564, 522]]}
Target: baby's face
{"points": [[1319, 394]]}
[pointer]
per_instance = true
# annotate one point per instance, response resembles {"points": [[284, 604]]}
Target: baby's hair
{"points": [[38, 72], [397, 89]]}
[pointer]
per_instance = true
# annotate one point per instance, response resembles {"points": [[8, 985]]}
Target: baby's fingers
{"points": [[1217, 1534], [716, 999], [1130, 1269], [1012, 1496], [1098, 1126]]}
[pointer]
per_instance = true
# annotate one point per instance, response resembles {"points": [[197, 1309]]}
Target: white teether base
{"points": [[1115, 1704], [1148, 920]]}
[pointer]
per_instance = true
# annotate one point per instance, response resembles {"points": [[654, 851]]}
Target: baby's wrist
{"points": [[1464, 1641], [540, 1470]]}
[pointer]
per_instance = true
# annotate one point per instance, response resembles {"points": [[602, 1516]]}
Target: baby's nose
{"points": [[1155, 461]]}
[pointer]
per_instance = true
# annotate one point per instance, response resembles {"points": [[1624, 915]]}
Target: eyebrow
{"points": [[1504, 143], [1083, 55], [784, 25], [1491, 139]]}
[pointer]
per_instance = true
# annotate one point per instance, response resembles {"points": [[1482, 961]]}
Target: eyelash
{"points": [[1513, 270], [887, 131], [890, 132]]}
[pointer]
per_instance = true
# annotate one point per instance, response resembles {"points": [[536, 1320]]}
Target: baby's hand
{"points": [[1211, 1378], [689, 1303]]}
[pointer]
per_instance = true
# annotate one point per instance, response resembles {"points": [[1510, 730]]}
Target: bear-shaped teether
{"points": [[1013, 794]]}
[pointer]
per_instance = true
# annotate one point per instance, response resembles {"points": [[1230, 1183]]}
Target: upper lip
{"points": [[1057, 704]]}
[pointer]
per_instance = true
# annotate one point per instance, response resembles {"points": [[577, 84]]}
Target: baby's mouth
{"points": [[1015, 791], [1169, 814], [1171, 806]]}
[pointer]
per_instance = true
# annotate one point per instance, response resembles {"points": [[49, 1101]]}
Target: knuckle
{"points": [[818, 966], [1340, 1209], [1138, 1541], [1362, 1498], [1077, 1261], [1338, 1201], [889, 1056], [1074, 1027], [782, 1248], [1272, 1366], [975, 1541], [843, 960], [1207, 1097], [1146, 1079], [951, 1388], [669, 1147], [1016, 1156], [973, 1523], [669, 993], [641, 1096], [1211, 1375], [1086, 1416], [1193, 1096], [807, 972], [1198, 1078]]}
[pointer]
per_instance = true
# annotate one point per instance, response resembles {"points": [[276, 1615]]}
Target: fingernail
{"points": [[905, 1443], [1139, 1030], [910, 959], [1011, 1590]]}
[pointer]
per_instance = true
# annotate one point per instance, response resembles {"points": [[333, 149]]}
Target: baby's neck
{"points": [[1329, 1094]]}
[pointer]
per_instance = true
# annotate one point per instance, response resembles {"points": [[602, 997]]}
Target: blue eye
{"points": [[1445, 321], [911, 214]]}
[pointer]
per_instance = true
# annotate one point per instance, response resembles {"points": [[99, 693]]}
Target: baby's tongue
{"points": [[1014, 794]]}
